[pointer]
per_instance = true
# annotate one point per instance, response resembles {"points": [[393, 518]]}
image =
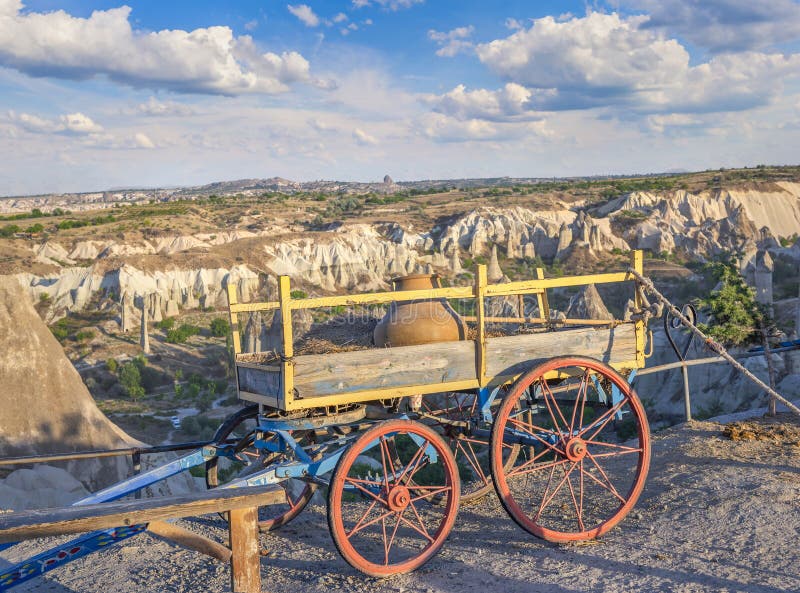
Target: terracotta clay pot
{"points": [[421, 321]]}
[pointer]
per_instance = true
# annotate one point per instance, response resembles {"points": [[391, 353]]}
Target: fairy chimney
{"points": [[494, 273], [763, 278], [144, 339]]}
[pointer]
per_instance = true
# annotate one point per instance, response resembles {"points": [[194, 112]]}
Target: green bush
{"points": [[298, 294], [83, 335], [182, 333], [166, 324], [112, 365], [60, 329], [219, 327], [9, 230], [131, 380]]}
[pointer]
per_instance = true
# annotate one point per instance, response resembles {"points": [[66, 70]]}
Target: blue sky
{"points": [[103, 94]]}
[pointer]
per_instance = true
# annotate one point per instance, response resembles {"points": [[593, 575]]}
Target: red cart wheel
{"points": [[240, 426], [585, 460], [378, 514], [459, 415]]}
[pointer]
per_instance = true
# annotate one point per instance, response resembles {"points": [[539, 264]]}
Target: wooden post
{"points": [[541, 298], [287, 370], [637, 264], [480, 348], [772, 410], [232, 300], [245, 559]]}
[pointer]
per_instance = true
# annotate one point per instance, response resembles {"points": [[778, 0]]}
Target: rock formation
{"points": [[588, 304], [46, 407], [493, 272], [144, 338]]}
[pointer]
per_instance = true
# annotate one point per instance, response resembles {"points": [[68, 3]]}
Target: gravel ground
{"points": [[716, 515]]}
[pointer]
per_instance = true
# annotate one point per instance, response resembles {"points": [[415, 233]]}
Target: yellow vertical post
{"points": [[287, 346], [480, 347], [234, 317], [637, 263], [235, 338], [541, 298]]}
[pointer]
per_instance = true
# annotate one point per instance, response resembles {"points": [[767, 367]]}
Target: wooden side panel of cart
{"points": [[362, 375], [297, 382]]}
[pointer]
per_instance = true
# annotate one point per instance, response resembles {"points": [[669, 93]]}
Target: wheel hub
{"points": [[575, 449], [398, 498]]}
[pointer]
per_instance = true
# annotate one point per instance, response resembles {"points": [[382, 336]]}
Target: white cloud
{"points": [[388, 4], [304, 13], [70, 123], [154, 107], [340, 18], [605, 60], [724, 25], [514, 24], [364, 139], [452, 42], [510, 103], [143, 141], [251, 25], [209, 60]]}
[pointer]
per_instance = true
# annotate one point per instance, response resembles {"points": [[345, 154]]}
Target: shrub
{"points": [[9, 230], [112, 365], [219, 327], [83, 335], [166, 324], [181, 334], [298, 294], [130, 378]]}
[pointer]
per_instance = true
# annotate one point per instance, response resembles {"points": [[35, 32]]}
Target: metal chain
{"points": [[713, 345]]}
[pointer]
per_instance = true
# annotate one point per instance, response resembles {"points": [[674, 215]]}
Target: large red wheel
{"points": [[240, 427], [379, 512], [586, 456], [458, 418]]}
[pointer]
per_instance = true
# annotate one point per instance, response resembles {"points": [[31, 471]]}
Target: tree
{"points": [[131, 380], [732, 308]]}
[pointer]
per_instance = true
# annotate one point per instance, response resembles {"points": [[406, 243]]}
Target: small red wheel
{"points": [[585, 459], [379, 512], [241, 426], [459, 415]]}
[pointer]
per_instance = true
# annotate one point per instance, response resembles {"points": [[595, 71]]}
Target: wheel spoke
{"points": [[522, 426], [424, 531], [369, 523], [578, 513], [357, 527], [386, 463], [435, 490], [418, 464], [394, 533], [557, 488], [519, 471], [369, 493], [614, 446], [581, 398], [473, 461], [603, 420], [610, 487], [545, 391]]}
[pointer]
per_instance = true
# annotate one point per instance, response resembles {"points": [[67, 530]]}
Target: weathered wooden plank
{"points": [[512, 355], [264, 380], [245, 560], [378, 368], [31, 524], [190, 540]]}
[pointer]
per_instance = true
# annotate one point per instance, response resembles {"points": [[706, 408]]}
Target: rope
{"points": [[710, 342]]}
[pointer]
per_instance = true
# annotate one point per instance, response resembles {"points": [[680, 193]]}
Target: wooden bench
{"points": [[241, 504]]}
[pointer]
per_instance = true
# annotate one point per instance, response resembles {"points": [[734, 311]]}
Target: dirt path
{"points": [[716, 515]]}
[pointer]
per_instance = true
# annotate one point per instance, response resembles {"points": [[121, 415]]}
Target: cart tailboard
{"points": [[359, 375]]}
